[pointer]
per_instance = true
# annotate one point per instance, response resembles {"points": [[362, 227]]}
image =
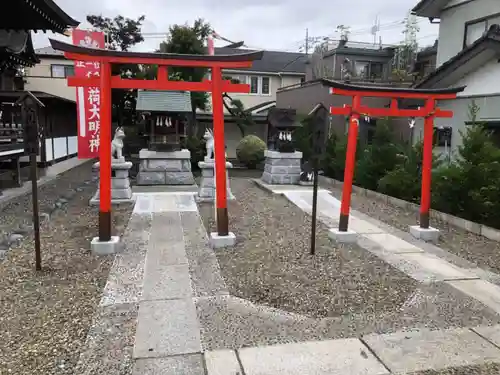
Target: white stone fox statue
{"points": [[117, 144], [209, 138]]}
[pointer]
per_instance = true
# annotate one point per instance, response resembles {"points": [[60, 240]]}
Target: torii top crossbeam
{"points": [[105, 82]]}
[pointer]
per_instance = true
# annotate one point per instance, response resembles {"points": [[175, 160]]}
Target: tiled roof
{"points": [[48, 51], [163, 101], [272, 61]]}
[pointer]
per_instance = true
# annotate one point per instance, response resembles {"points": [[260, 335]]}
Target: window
{"points": [[62, 71], [266, 86], [361, 69], [475, 30], [254, 85], [376, 70], [442, 136]]}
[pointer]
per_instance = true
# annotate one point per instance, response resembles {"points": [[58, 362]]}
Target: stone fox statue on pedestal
{"points": [[117, 144], [209, 139]]}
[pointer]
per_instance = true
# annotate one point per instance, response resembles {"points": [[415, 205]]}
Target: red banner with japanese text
{"points": [[88, 98]]}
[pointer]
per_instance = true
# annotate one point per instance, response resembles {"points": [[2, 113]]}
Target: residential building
{"points": [[468, 52], [50, 74], [365, 65]]}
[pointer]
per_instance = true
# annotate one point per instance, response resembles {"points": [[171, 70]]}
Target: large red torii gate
{"points": [[428, 111], [217, 86]]}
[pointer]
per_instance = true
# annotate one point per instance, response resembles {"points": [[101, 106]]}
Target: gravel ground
{"points": [[477, 249], [273, 266], [45, 316], [485, 369]]}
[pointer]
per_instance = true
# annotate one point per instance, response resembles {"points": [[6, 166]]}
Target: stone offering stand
{"points": [[121, 191], [165, 168], [282, 168], [206, 192]]}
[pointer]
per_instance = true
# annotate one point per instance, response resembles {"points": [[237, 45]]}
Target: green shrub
{"points": [[250, 151], [378, 158]]}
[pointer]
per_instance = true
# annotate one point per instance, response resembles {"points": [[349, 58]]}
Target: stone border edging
{"points": [[476, 228]]}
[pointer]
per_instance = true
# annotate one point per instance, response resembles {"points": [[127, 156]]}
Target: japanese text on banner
{"points": [[89, 98]]}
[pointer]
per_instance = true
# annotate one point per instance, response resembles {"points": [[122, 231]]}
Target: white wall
{"points": [[452, 25], [484, 81], [39, 79]]}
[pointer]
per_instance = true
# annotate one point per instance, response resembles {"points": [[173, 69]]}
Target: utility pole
{"points": [[307, 41]]}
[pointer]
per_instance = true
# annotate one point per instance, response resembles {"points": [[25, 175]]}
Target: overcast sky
{"points": [[263, 24]]}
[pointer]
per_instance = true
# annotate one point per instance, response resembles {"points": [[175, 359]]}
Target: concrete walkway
{"points": [[166, 269]]}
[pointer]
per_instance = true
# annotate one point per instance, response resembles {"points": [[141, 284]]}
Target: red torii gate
{"points": [[106, 82], [429, 111]]}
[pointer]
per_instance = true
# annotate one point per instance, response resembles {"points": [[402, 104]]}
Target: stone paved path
{"points": [[150, 319]]}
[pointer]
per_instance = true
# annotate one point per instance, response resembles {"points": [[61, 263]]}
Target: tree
{"points": [[187, 39], [468, 187], [121, 34], [378, 158]]}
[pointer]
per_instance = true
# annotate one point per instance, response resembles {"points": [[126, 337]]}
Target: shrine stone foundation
{"points": [[165, 168], [206, 192], [121, 192], [282, 168]]}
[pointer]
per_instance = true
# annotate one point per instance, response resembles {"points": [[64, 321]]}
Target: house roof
{"points": [[163, 101], [35, 15], [465, 62], [40, 95], [271, 61], [256, 109], [49, 51], [429, 8]]}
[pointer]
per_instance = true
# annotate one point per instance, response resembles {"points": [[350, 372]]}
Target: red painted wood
{"points": [[120, 83], [388, 112], [105, 139], [162, 73], [350, 160], [159, 61], [391, 94], [425, 202], [219, 149]]}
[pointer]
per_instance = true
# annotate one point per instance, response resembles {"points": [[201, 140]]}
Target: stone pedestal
{"points": [[121, 191], [282, 168], [206, 192], [165, 168]]}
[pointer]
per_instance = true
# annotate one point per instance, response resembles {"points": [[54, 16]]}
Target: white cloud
{"points": [[266, 24]]}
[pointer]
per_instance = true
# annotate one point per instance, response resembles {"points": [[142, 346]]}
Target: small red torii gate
{"points": [[428, 111], [217, 86]]}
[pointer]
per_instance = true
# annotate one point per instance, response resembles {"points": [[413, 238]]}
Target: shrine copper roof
{"points": [[35, 15], [71, 48]]}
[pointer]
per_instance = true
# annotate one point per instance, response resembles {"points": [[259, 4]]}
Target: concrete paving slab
{"points": [[167, 253], [222, 362], [186, 202], [363, 227], [166, 282], [164, 203], [482, 290], [426, 267], [184, 364], [333, 357], [490, 333], [167, 328], [405, 352], [143, 204], [392, 243], [166, 228]]}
